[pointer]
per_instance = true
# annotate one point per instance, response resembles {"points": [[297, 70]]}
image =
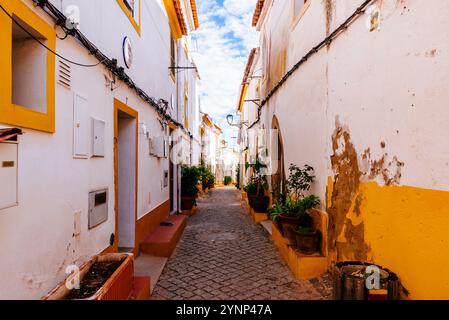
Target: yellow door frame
{"points": [[120, 106]]}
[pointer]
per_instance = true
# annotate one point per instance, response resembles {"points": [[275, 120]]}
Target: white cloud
{"points": [[225, 38]]}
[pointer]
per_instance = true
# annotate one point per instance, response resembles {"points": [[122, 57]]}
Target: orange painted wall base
{"points": [[257, 216], [303, 267]]}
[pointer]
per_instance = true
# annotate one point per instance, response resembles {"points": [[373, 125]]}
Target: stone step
{"points": [[162, 242], [142, 288]]}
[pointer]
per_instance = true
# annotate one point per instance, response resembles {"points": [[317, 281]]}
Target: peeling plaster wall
{"points": [[369, 112]]}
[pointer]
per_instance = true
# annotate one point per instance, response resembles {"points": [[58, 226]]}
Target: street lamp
{"points": [[238, 124]]}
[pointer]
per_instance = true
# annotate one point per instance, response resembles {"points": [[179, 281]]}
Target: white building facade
{"points": [[94, 169]]}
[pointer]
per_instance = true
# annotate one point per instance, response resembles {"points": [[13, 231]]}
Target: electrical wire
{"points": [[45, 46], [327, 41], [110, 64]]}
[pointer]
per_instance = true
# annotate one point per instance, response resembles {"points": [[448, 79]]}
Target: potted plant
{"points": [[290, 208], [190, 177], [251, 191], [104, 277], [256, 189], [207, 178], [227, 180], [308, 239]]}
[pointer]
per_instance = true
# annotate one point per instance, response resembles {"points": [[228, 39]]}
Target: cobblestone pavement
{"points": [[223, 255]]}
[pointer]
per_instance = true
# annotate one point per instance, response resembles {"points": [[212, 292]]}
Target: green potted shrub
{"points": [[291, 207], [190, 177], [207, 178], [308, 239], [257, 187], [227, 180]]}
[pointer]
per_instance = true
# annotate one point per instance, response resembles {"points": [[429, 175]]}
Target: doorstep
{"points": [[147, 265], [162, 242], [303, 267]]}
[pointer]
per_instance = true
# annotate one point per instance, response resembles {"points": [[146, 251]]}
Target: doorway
{"points": [[171, 173], [125, 149], [278, 177]]}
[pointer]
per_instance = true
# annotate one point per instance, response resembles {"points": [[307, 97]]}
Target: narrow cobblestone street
{"points": [[224, 255]]}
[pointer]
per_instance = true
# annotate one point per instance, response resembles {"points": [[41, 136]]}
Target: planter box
{"points": [[303, 267], [118, 287]]}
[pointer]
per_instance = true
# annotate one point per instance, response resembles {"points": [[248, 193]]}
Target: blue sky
{"points": [[224, 39]]}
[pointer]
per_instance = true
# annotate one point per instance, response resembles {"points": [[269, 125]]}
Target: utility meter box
{"points": [[8, 174], [98, 134], [159, 147], [98, 207]]}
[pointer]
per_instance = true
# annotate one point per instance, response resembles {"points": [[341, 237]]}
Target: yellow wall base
{"points": [[303, 267], [257, 216]]}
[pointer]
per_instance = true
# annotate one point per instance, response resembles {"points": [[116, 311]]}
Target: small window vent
{"points": [[65, 74]]}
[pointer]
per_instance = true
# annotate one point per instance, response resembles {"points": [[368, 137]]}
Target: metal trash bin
{"points": [[350, 280]]}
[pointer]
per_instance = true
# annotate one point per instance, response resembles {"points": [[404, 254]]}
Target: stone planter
{"points": [[119, 286]]}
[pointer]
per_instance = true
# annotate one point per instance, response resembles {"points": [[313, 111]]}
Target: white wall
{"points": [[36, 237]]}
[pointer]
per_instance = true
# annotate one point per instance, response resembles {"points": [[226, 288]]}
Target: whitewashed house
{"points": [[91, 171], [358, 90]]}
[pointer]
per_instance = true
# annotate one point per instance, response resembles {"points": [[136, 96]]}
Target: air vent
{"points": [[65, 76]]}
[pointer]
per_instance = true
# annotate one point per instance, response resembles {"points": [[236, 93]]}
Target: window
{"points": [[27, 83], [172, 56], [299, 8], [186, 104], [130, 5], [266, 58], [132, 9]]}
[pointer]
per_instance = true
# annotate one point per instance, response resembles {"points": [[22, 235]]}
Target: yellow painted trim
{"points": [[242, 99], [14, 114], [135, 24], [173, 19]]}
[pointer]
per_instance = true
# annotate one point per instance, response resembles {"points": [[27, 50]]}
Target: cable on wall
{"points": [[327, 41], [60, 19]]}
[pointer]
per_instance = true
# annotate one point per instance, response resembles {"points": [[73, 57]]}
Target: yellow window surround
{"points": [[135, 21], [10, 113], [298, 17]]}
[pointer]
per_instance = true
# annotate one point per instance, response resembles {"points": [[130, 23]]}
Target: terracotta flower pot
{"points": [[251, 200], [187, 203], [259, 203], [308, 242], [119, 286], [288, 226]]}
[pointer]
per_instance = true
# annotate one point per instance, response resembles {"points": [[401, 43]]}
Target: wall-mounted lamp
{"points": [[239, 124]]}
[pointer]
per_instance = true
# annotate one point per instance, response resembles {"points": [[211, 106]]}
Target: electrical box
{"points": [[98, 207], [159, 147], [8, 174], [98, 133], [81, 127]]}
